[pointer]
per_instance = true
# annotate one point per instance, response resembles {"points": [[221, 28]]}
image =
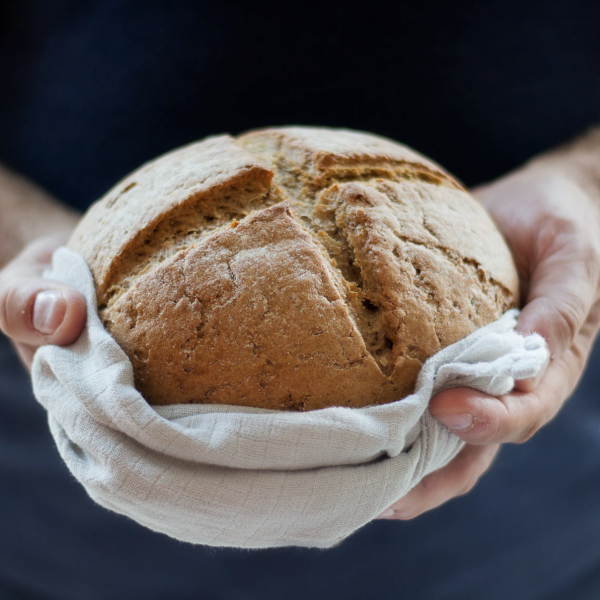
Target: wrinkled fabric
{"points": [[253, 478]]}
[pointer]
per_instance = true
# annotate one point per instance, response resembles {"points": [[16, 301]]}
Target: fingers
{"points": [[550, 223], [562, 290], [481, 419], [36, 311], [455, 479], [528, 385]]}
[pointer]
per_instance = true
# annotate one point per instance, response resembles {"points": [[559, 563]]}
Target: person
{"points": [[92, 90]]}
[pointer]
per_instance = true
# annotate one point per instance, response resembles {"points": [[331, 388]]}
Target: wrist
{"points": [[55, 234], [27, 213], [577, 162]]}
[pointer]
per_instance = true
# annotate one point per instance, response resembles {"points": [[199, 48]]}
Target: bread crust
{"points": [[291, 269]]}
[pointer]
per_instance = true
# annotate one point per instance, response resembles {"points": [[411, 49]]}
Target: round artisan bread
{"points": [[291, 269]]}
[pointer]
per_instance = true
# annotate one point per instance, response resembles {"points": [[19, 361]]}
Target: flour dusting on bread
{"points": [[292, 269]]}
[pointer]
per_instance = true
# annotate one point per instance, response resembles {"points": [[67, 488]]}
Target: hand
{"points": [[35, 311], [552, 225]]}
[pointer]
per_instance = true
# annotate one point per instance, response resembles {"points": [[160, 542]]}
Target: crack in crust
{"points": [[390, 267], [318, 201], [179, 231], [370, 299]]}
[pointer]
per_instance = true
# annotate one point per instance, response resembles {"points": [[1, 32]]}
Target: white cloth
{"points": [[253, 478]]}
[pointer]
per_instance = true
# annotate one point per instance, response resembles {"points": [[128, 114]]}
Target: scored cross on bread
{"points": [[292, 269]]}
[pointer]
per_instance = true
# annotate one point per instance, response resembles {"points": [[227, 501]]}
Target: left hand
{"points": [[552, 225], [33, 310]]}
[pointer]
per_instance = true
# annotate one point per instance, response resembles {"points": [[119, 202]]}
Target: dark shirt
{"points": [[92, 89]]}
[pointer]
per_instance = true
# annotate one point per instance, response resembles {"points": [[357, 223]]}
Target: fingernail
{"points": [[456, 421], [49, 310], [388, 513]]}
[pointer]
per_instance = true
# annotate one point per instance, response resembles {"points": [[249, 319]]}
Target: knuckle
{"points": [[586, 252], [467, 486], [537, 420], [527, 434], [408, 514], [570, 317], [471, 478], [594, 316], [17, 295], [556, 231], [562, 232], [404, 510], [591, 255], [494, 430]]}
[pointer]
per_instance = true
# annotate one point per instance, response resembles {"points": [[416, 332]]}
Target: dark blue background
{"points": [[92, 89]]}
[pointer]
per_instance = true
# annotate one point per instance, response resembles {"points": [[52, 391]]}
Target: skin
{"points": [[549, 212], [32, 226]]}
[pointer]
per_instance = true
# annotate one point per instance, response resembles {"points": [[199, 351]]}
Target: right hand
{"points": [[552, 224], [35, 311]]}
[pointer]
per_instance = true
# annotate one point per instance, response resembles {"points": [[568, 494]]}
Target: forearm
{"points": [[27, 213]]}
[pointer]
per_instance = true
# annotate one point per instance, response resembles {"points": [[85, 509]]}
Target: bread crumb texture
{"points": [[292, 269]]}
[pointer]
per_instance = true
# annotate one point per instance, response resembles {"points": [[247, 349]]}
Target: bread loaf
{"points": [[291, 269]]}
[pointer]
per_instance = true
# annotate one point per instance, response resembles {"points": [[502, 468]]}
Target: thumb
{"points": [[36, 311]]}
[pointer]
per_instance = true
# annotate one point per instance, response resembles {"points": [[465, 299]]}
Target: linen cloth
{"points": [[245, 477]]}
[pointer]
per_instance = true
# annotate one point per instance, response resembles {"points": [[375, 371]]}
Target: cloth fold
{"points": [[253, 478]]}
